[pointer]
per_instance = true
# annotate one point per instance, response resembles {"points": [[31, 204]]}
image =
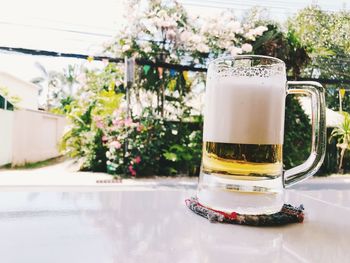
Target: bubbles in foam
{"points": [[242, 109]]}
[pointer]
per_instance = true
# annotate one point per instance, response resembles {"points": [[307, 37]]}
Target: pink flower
{"points": [[137, 159], [139, 127], [104, 138], [116, 144], [132, 171], [128, 122], [98, 122], [117, 113], [118, 123]]}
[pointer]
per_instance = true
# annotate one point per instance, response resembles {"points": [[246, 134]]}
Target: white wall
{"points": [[26, 91], [37, 135], [6, 136]]}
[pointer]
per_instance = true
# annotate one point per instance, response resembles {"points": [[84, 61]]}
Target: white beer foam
{"points": [[247, 110]]}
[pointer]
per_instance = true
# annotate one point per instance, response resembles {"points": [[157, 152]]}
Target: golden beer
{"points": [[242, 161]]}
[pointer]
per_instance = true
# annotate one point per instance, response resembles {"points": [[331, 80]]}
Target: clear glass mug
{"points": [[242, 168]]}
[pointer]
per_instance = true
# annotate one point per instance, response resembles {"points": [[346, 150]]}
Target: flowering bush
{"points": [[223, 34], [99, 96], [164, 31], [149, 146], [123, 153]]}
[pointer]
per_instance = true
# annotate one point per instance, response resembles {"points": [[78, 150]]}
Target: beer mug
{"points": [[242, 168]]}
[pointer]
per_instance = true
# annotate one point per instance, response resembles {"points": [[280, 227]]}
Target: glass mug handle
{"points": [[318, 121]]}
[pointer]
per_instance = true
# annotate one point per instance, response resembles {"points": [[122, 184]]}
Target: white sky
{"points": [[65, 25], [82, 26]]}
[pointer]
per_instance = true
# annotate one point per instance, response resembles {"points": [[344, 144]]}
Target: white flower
{"points": [[173, 56], [235, 51], [146, 46], [125, 48], [196, 39], [203, 48], [149, 25], [185, 36], [165, 23], [250, 34], [162, 13], [204, 28], [156, 21], [215, 32], [173, 22], [171, 34], [247, 47], [234, 26], [239, 30], [147, 49], [260, 30], [224, 43]]}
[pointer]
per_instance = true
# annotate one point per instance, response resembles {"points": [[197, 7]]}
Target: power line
{"points": [[56, 29], [141, 62], [249, 4], [230, 5]]}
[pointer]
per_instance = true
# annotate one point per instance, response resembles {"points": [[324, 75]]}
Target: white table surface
{"points": [[153, 225]]}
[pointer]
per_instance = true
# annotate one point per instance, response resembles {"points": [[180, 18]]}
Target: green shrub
{"points": [[297, 137], [150, 145], [97, 98]]}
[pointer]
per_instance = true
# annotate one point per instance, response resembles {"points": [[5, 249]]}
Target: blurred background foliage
{"points": [[158, 129]]}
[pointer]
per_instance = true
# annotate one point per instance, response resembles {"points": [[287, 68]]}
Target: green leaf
{"points": [[177, 147], [170, 156]]}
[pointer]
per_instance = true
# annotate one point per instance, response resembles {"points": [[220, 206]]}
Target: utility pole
{"points": [[129, 78]]}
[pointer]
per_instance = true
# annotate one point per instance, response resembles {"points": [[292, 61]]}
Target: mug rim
{"points": [[232, 58]]}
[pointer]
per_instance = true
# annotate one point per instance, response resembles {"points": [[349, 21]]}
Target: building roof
{"points": [[27, 92], [5, 75], [333, 118]]}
